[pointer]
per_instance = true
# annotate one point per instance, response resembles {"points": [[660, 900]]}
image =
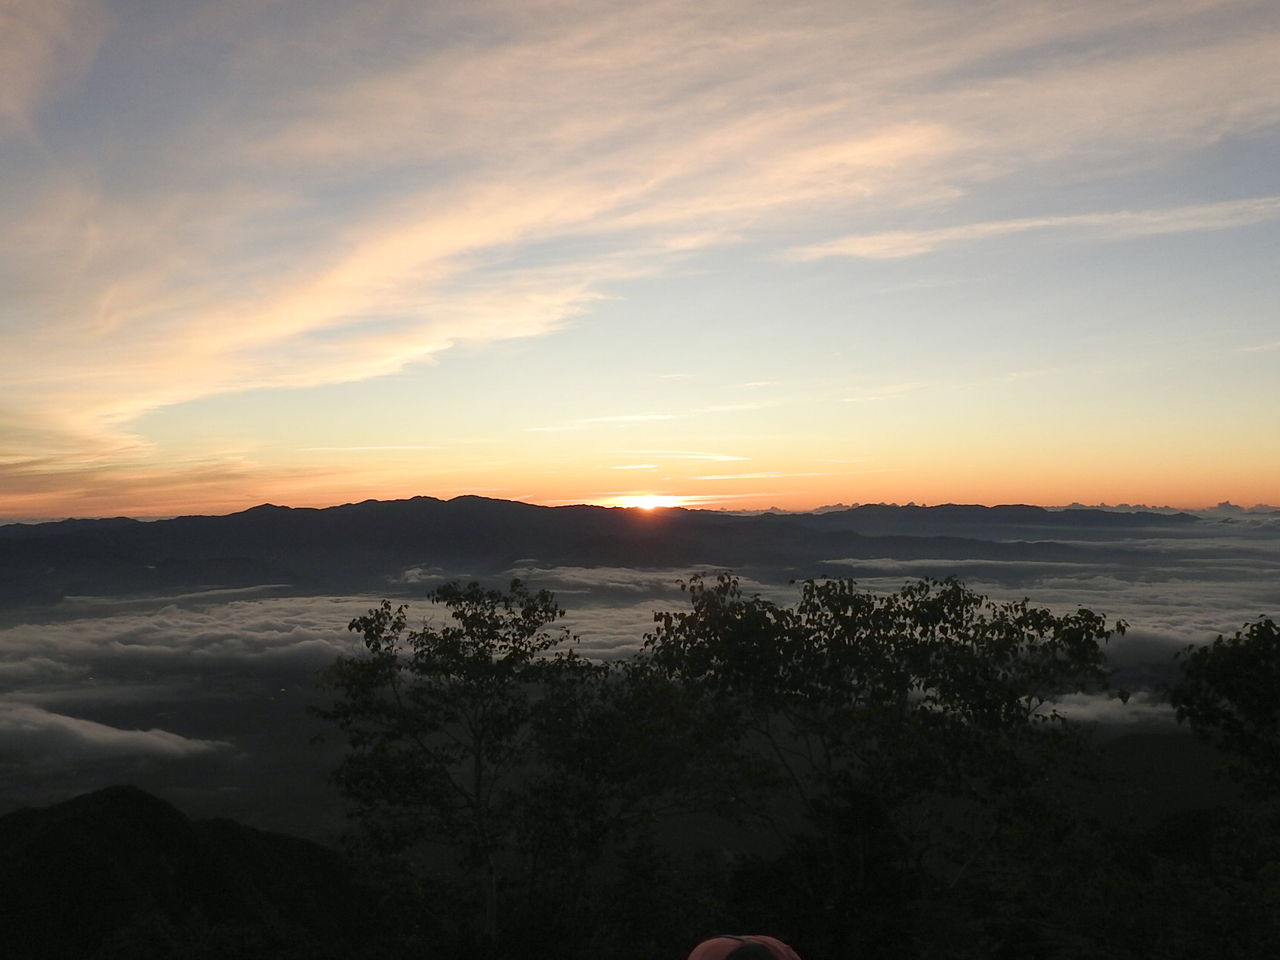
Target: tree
{"points": [[1224, 895], [1229, 693], [627, 758], [911, 729], [438, 721], [543, 773], [897, 745]]}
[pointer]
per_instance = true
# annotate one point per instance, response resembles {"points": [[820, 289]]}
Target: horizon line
{"points": [[1225, 506]]}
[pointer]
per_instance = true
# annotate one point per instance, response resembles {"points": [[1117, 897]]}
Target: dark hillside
{"points": [[119, 870]]}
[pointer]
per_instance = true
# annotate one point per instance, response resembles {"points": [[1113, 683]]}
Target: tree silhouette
{"points": [[899, 747], [914, 730], [438, 720], [1229, 693]]}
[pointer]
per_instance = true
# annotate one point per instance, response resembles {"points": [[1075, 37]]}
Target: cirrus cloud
{"points": [[352, 190]]}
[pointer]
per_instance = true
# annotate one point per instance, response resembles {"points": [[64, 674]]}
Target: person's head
{"points": [[748, 950], [751, 947]]}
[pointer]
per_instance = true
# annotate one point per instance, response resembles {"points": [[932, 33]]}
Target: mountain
{"points": [[370, 544], [120, 872]]}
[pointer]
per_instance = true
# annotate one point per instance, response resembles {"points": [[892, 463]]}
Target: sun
{"points": [[649, 501]]}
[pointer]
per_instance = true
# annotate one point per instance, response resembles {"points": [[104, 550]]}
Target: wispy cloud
{"points": [[42, 47], [357, 188], [1113, 225]]}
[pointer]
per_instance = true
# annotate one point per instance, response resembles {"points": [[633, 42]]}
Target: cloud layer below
{"points": [[205, 693]]}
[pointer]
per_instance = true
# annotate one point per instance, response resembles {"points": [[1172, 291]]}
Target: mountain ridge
{"points": [[369, 544]]}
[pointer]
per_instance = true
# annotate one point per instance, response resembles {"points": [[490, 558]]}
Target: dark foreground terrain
{"points": [[121, 873]]}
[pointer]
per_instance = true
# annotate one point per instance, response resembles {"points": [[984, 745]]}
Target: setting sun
{"points": [[650, 501]]}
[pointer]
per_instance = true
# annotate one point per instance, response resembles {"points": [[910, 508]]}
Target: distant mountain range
{"points": [[369, 545]]}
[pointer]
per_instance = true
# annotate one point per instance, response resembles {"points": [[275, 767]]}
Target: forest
{"points": [[862, 774]]}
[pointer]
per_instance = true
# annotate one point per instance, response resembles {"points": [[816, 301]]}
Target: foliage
{"points": [[913, 731], [438, 722], [848, 686], [623, 748], [536, 769], [1229, 692], [862, 774]]}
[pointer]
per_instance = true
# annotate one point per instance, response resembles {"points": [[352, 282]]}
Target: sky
{"points": [[727, 254]]}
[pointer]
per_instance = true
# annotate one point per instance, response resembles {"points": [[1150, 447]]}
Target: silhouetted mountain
{"points": [[368, 545], [1005, 521], [122, 873]]}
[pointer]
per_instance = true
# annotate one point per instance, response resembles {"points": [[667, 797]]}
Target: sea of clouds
{"points": [[203, 697]]}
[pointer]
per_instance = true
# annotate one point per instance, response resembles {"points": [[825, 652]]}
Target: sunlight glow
{"points": [[649, 501]]}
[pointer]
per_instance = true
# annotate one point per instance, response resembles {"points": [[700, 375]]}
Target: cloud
{"points": [[612, 608], [214, 685], [1143, 708], [1114, 225], [38, 735], [42, 47], [174, 641], [1169, 597], [354, 190], [98, 480]]}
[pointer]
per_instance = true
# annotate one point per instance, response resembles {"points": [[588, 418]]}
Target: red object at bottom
{"points": [[717, 948]]}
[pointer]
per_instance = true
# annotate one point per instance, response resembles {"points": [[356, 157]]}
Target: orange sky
{"points": [[745, 255]]}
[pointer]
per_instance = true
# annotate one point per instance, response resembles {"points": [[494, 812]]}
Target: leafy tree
{"points": [[544, 773], [912, 730], [622, 749], [1229, 692], [438, 720], [898, 746], [632, 765]]}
